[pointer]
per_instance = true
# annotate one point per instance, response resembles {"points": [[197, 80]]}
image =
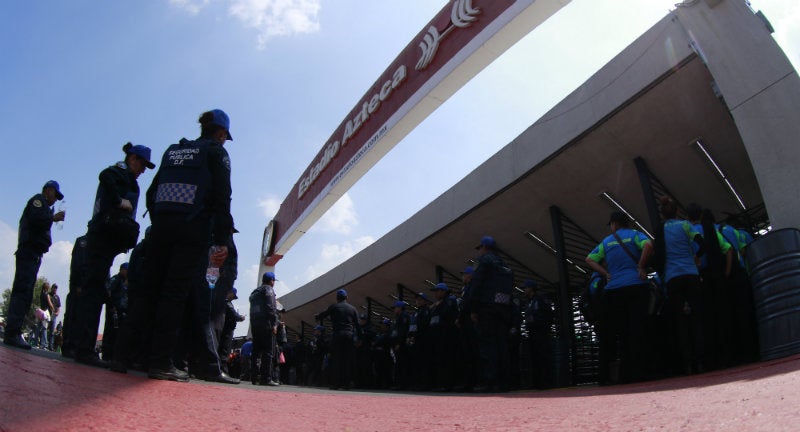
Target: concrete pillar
{"points": [[762, 91]]}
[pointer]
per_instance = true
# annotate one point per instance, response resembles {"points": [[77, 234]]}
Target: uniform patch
{"points": [[227, 161], [37, 203]]}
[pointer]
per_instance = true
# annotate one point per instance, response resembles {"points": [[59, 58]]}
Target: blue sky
{"points": [[79, 79]]}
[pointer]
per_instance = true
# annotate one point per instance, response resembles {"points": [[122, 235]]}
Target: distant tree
{"points": [[30, 318]]}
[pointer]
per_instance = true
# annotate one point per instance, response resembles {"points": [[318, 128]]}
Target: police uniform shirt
{"points": [[344, 317], [263, 306], [34, 226], [117, 182], [195, 178]]}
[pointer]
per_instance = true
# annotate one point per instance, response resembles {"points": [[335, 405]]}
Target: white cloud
{"points": [[333, 255], [340, 219], [277, 17], [55, 264], [8, 244], [270, 206], [191, 6]]}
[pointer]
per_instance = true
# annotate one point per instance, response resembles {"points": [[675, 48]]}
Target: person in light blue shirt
{"points": [[676, 264], [626, 296]]}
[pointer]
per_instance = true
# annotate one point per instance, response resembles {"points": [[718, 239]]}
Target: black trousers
{"points": [[685, 308], [493, 332], [176, 258], [263, 351], [624, 336], [204, 338], [94, 295], [28, 263], [343, 358]]}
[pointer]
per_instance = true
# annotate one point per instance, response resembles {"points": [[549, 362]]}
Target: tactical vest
{"points": [[183, 179]]}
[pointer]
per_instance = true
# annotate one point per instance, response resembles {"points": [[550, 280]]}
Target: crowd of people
{"points": [[694, 312], [678, 304], [160, 314], [162, 317]]}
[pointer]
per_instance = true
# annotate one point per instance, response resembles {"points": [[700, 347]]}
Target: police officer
{"points": [[419, 342], [365, 375], [344, 320], [189, 204], [319, 357], [77, 279], [398, 338], [264, 326], [112, 230], [538, 319], [467, 366], [490, 309], [444, 337], [34, 241], [116, 310], [135, 331], [232, 317]]}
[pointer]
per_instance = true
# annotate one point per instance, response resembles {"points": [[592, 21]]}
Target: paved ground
{"points": [[40, 392]]}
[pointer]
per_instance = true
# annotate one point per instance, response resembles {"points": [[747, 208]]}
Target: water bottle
{"points": [[62, 206], [212, 272]]}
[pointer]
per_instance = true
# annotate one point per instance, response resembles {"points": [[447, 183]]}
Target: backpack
{"points": [[591, 301]]}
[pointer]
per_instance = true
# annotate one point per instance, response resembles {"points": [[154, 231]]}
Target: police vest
{"points": [[184, 179]]}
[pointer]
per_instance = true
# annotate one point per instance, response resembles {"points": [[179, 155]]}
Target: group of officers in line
{"points": [[678, 304], [172, 318], [472, 341], [477, 338]]}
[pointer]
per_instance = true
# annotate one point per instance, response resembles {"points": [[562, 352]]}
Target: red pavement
{"points": [[45, 394]]}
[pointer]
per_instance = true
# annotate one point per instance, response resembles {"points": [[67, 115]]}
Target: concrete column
{"points": [[762, 91]]}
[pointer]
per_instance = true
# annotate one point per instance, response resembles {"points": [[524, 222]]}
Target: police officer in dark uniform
{"points": [[34, 241], [538, 320], [444, 337], [264, 326], [318, 368], [232, 317], [116, 310], [398, 338], [135, 332], [467, 366], [491, 311], [112, 230], [365, 371], [381, 355], [419, 342], [344, 320], [189, 204], [77, 279], [223, 314]]}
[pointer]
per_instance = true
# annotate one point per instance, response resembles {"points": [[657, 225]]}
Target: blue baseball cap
{"points": [[141, 151], [320, 328], [54, 184], [421, 295], [441, 286], [123, 266], [487, 241], [234, 291], [222, 120], [268, 276], [468, 270], [386, 321], [400, 304], [341, 293]]}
